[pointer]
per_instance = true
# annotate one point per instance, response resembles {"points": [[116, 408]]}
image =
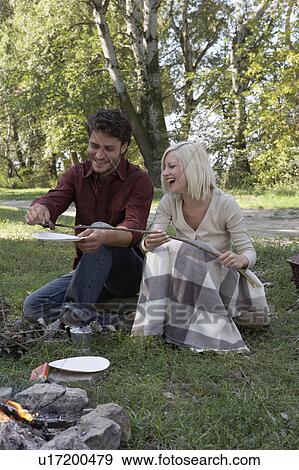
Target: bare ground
{"points": [[273, 222]]}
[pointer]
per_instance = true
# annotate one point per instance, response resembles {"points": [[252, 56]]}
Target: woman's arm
{"points": [[162, 219], [244, 254]]}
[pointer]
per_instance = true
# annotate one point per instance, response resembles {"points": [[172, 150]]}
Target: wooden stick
{"points": [[77, 227], [147, 232]]}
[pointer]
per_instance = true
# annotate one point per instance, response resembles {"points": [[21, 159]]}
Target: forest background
{"points": [[219, 71]]}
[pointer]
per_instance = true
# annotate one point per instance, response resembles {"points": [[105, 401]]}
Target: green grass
{"points": [[271, 199], [26, 263], [175, 399], [21, 194]]}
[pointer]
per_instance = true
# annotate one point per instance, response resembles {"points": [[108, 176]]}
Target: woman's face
{"points": [[174, 174]]}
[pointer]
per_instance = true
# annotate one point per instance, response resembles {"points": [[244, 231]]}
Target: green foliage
{"points": [[53, 78], [53, 75], [267, 80]]}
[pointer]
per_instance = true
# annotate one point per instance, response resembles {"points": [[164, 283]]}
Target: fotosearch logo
{"points": [[186, 460], [181, 315]]}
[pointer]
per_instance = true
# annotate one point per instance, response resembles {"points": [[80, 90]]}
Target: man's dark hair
{"points": [[111, 121]]}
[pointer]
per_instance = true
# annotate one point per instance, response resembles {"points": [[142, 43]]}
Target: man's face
{"points": [[105, 151]]}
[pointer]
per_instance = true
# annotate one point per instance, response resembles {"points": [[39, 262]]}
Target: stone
{"points": [[5, 393], [66, 440], [15, 436], [53, 398], [67, 377], [99, 433], [117, 414], [86, 411]]}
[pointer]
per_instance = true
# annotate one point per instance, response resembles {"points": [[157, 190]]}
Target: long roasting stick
{"points": [[52, 226]]}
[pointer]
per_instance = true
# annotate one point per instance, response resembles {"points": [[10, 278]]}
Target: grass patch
{"points": [[175, 399], [21, 194], [271, 199], [26, 263]]}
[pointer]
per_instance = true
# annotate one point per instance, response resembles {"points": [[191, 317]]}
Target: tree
{"points": [[197, 27], [222, 71], [252, 59], [145, 111], [52, 78], [272, 130], [246, 40]]}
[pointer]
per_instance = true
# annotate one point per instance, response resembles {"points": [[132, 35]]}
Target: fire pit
{"points": [[18, 428], [12, 410], [38, 418]]}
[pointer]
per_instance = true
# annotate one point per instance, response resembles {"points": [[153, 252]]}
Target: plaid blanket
{"points": [[188, 297]]}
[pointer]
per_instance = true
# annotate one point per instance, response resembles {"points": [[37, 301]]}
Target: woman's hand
{"points": [[232, 260], [153, 240]]}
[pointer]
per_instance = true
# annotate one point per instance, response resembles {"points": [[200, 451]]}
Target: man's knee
{"points": [[34, 309], [100, 224]]}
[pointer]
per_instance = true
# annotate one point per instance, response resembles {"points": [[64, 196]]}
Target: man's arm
{"points": [[54, 203], [37, 214], [138, 206], [137, 210], [96, 238]]}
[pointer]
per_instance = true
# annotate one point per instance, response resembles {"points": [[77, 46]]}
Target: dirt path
{"points": [[261, 222], [273, 222]]}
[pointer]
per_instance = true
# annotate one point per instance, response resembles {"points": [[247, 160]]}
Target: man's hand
{"points": [[93, 240], [37, 214], [232, 260], [153, 240]]}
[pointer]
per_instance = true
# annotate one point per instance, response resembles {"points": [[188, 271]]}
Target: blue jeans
{"points": [[109, 272]]}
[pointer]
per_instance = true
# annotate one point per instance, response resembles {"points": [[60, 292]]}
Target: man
{"points": [[107, 191]]}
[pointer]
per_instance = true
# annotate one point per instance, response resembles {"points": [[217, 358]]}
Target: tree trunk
{"points": [[154, 110], [146, 116], [241, 163], [238, 66], [192, 57], [16, 139], [11, 169], [52, 167], [288, 40], [74, 158]]}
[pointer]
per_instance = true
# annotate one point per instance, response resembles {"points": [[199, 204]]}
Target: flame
{"points": [[4, 418], [20, 410]]}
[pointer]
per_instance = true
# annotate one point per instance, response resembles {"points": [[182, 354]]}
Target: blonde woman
{"points": [[193, 296]]}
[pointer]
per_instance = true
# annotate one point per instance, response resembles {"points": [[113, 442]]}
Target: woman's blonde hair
{"points": [[197, 166]]}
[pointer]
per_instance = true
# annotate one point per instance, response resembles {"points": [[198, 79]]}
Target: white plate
{"points": [[81, 364], [56, 237]]}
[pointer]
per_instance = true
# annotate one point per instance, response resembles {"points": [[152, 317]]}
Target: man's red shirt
{"points": [[122, 198]]}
